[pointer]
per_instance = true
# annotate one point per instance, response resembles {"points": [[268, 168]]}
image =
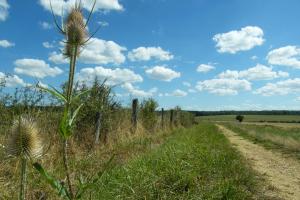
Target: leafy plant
{"points": [[75, 32], [148, 113], [101, 102]]}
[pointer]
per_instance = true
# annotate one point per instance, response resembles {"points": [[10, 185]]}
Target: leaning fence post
{"points": [[171, 117], [134, 113], [98, 127], [162, 117]]}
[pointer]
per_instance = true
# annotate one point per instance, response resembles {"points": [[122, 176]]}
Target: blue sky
{"points": [[198, 54]]}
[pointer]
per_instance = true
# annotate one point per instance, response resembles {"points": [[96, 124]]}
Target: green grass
{"points": [[285, 139], [196, 163], [253, 118]]}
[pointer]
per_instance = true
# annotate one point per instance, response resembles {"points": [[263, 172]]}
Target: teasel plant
{"points": [[74, 29], [26, 144]]}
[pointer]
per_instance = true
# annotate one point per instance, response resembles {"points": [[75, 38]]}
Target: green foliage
{"points": [[100, 99], [55, 184], [148, 114], [187, 119], [239, 118]]}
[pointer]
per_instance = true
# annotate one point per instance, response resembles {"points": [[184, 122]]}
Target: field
{"points": [[254, 118]]}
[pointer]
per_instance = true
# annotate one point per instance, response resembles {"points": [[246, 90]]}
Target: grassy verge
{"points": [[284, 139], [84, 163], [196, 163]]}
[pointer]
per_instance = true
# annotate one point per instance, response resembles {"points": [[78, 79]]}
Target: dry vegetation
{"points": [[86, 158]]}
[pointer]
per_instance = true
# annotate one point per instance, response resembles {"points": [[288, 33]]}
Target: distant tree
{"points": [[239, 118]]}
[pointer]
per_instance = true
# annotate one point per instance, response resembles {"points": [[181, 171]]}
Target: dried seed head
{"points": [[75, 30], [25, 139]]}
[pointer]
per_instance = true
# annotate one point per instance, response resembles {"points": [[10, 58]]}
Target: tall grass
{"points": [[196, 163]]}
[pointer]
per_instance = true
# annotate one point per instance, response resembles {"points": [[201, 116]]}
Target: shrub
{"points": [[148, 114], [239, 118], [100, 100]]}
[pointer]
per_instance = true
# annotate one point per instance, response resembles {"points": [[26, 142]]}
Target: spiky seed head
{"points": [[25, 139], [75, 30]]}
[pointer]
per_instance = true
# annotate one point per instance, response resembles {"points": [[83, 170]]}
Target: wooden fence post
{"points": [[134, 115], [162, 117], [98, 127], [171, 117]]}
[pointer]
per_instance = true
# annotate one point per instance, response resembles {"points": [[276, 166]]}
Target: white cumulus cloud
{"points": [[148, 53], [258, 72], [223, 86], [285, 56], [97, 51], [65, 5], [280, 88], [11, 80], [113, 76], [35, 68], [102, 52], [136, 92], [4, 6], [162, 73], [6, 44], [203, 68], [239, 40]]}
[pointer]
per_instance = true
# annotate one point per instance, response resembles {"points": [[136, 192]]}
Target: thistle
{"points": [[25, 140], [75, 31], [25, 143]]}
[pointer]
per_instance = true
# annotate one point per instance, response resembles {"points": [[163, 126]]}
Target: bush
{"points": [[99, 100], [239, 118], [148, 114]]}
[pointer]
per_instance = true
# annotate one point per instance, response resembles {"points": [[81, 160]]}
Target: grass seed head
{"points": [[25, 139]]}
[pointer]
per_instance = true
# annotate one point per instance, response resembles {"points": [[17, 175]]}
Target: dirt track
{"points": [[282, 173]]}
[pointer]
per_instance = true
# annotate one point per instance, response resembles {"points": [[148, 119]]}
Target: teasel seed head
{"points": [[25, 139], [75, 30]]}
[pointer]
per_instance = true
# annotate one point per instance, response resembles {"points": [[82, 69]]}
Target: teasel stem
{"points": [[69, 99], [23, 178], [23, 165], [71, 72], [66, 165]]}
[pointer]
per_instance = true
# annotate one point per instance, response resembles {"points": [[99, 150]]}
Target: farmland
{"points": [[254, 118]]}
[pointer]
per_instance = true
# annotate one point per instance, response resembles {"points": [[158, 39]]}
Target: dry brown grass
{"points": [[86, 159]]}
